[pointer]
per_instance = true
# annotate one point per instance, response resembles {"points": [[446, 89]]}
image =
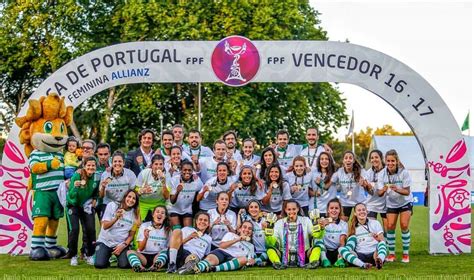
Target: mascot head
{"points": [[44, 125]]}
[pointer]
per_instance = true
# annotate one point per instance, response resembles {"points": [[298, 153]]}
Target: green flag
{"points": [[465, 125]]}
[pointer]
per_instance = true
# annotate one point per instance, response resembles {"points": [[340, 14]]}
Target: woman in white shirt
{"points": [[235, 251], [335, 235], [365, 246], [153, 239], [223, 219], [119, 225], [394, 182]]}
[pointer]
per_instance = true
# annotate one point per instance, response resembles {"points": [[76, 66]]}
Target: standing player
{"points": [[116, 182], [206, 167], [220, 183], [286, 152], [301, 181], [245, 189], [348, 180], [375, 204], [395, 182], [184, 189], [277, 190], [178, 135], [323, 189]]}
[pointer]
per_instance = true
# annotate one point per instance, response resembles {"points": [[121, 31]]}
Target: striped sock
{"points": [[382, 250], [228, 266], [162, 258], [406, 239], [351, 243], [204, 266], [350, 257], [133, 260], [37, 241], [50, 241], [391, 242]]}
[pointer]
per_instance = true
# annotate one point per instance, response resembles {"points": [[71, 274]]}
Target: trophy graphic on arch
{"points": [[235, 51]]}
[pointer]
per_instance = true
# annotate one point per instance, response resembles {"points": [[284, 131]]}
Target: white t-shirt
{"points": [[285, 156], [402, 180], [277, 198], [200, 246], [241, 197], [333, 234], [209, 200], [305, 182], [365, 234], [307, 227], [117, 188], [311, 156], [201, 152], [157, 241], [120, 230], [321, 202], [219, 230], [208, 168], [258, 236], [239, 249], [374, 203], [184, 202], [351, 192]]}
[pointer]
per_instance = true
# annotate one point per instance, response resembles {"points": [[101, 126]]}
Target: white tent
{"points": [[412, 158]]}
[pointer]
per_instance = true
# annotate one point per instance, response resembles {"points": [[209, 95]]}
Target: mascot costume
{"points": [[44, 134]]}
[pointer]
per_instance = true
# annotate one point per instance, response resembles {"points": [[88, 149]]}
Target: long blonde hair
{"points": [[354, 221]]}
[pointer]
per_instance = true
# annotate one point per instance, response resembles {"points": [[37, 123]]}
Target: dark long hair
{"points": [[331, 167], [280, 177], [166, 222], [135, 207], [263, 168], [253, 181]]}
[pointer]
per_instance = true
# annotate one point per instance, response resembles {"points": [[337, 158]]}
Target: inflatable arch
{"points": [[236, 61]]}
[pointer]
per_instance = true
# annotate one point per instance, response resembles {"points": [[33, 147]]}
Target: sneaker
{"points": [[278, 266], [378, 263], [367, 266], [196, 269], [138, 268], [187, 268], [326, 263], [90, 260], [312, 265], [340, 263], [74, 261], [113, 259], [405, 258], [171, 268], [262, 264], [391, 258]]}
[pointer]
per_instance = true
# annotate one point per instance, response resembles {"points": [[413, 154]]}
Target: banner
{"points": [[237, 61]]}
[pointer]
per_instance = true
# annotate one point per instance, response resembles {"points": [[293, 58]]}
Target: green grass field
{"points": [[422, 265]]}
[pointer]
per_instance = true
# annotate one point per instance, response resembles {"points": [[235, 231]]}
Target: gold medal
{"points": [[108, 180], [239, 185], [150, 228], [199, 234], [274, 185], [349, 193], [329, 220], [258, 166], [83, 182]]}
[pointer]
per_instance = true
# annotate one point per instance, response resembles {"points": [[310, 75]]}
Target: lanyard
{"points": [[312, 157]]}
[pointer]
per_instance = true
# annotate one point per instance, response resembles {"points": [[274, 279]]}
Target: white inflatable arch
{"points": [[236, 61]]}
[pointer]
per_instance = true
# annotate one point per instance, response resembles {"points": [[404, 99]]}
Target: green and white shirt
{"points": [[53, 177]]}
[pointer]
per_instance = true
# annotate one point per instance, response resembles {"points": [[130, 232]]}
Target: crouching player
{"points": [[189, 247], [288, 243], [335, 235], [365, 246], [235, 251], [153, 239]]}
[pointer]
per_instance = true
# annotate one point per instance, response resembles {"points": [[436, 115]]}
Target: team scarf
{"points": [[299, 245]]}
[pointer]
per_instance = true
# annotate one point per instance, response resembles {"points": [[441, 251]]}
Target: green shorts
{"points": [[46, 204]]}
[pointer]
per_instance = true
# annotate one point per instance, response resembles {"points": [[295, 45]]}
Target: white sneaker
{"points": [[90, 260], [74, 261]]}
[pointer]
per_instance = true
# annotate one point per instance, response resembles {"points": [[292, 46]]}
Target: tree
{"points": [[256, 110]]}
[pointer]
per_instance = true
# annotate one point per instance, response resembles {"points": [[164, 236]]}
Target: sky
{"points": [[434, 38]]}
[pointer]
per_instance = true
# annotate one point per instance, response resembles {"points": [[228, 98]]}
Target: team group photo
{"points": [[218, 139]]}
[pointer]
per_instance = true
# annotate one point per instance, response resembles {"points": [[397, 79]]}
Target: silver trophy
{"points": [[235, 51]]}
